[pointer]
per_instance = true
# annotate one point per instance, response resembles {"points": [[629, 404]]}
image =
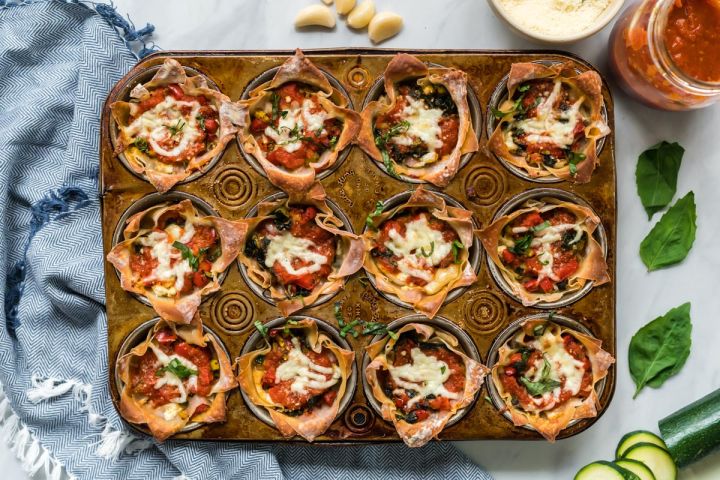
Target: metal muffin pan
{"points": [[267, 76], [232, 188], [256, 342], [466, 345], [152, 200], [507, 334], [498, 96], [138, 336], [142, 77], [516, 202], [378, 90], [263, 293], [475, 250]]}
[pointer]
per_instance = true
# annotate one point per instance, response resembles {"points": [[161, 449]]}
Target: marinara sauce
{"points": [[664, 53]]}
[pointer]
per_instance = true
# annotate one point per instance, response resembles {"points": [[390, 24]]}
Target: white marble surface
{"points": [[253, 24]]}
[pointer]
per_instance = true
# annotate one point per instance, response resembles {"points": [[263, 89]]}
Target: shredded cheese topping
{"points": [[424, 124], [425, 375], [285, 248], [291, 127], [169, 378], [304, 373], [420, 248]]}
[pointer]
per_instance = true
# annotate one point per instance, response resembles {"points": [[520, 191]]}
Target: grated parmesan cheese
{"points": [[556, 18]]}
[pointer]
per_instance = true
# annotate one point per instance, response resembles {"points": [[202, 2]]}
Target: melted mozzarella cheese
{"points": [[166, 271], [284, 248], [169, 378], [419, 240], [155, 125], [426, 375], [564, 368], [424, 124], [304, 373], [549, 125], [543, 241], [293, 125]]}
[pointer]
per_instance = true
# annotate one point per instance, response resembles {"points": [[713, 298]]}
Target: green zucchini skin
{"points": [[638, 468], [602, 470], [694, 431], [633, 438]]}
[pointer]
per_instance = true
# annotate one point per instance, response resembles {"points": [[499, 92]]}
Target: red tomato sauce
{"points": [[692, 36]]}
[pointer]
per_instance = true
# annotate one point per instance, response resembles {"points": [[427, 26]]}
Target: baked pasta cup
{"points": [[551, 122], [173, 125], [421, 379], [297, 251], [546, 250], [546, 376], [299, 377], [422, 126], [177, 376], [419, 251], [173, 257], [297, 124]]}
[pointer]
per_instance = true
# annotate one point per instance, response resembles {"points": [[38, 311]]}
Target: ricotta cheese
{"points": [[304, 373], [285, 247], [426, 375], [554, 18]]}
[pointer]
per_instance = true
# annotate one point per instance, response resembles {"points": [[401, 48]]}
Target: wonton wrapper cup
{"points": [[587, 83], [180, 310], [230, 118], [334, 101], [404, 67], [329, 218], [573, 410], [138, 413], [593, 271], [437, 329], [309, 427], [447, 209]]}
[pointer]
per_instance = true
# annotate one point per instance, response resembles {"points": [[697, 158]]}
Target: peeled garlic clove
{"points": [[315, 15], [328, 2], [344, 7], [362, 14], [384, 25]]}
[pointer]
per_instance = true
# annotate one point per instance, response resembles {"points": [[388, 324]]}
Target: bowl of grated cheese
{"points": [[556, 21]]}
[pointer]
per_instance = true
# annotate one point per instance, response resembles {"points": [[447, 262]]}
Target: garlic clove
{"points": [[362, 14], [384, 25], [344, 7], [315, 15]]}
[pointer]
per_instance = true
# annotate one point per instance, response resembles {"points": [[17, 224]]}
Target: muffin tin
{"points": [[233, 186]]}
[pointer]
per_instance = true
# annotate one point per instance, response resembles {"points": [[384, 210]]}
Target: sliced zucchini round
{"points": [[656, 458], [602, 470], [638, 436], [638, 468]]}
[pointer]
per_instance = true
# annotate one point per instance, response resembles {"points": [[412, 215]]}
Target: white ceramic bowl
{"points": [[605, 18]]}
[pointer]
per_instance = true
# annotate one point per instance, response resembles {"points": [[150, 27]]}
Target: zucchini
{"points": [[633, 438], [656, 458], [602, 470], [694, 431], [638, 468]]}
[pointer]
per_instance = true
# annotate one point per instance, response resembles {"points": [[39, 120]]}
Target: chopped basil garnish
{"points": [[443, 368], [141, 144], [177, 128], [275, 101], [521, 245], [539, 329], [370, 219], [457, 247], [187, 254], [178, 369], [201, 121], [263, 329], [541, 226], [389, 164], [432, 249], [542, 386], [573, 160]]}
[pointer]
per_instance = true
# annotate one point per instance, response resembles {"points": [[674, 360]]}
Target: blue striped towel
{"points": [[58, 61]]}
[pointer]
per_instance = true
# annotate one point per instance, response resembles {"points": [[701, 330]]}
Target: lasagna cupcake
{"points": [[297, 250], [173, 125], [419, 251], [546, 250], [178, 376], [547, 376], [299, 376], [421, 380], [551, 122], [421, 127], [297, 124], [172, 257]]}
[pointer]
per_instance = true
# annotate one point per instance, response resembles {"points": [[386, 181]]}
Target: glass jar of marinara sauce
{"points": [[666, 53]]}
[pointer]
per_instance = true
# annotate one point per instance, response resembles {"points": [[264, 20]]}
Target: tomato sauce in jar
{"points": [[663, 53]]}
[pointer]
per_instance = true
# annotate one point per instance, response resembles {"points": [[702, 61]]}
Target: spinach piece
{"points": [[659, 349], [522, 244], [671, 239], [573, 160], [141, 144], [656, 175], [281, 219], [370, 219], [457, 247], [187, 254], [544, 385], [178, 369]]}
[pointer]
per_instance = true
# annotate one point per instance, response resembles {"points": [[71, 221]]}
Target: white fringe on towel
{"points": [[33, 456], [113, 443]]}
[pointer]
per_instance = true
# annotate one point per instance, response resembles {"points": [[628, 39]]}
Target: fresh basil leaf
{"points": [[656, 175], [443, 368], [522, 244], [275, 101], [524, 88], [370, 219], [541, 226], [141, 144], [389, 164], [188, 255], [671, 239], [178, 369], [498, 114], [659, 349], [542, 386], [377, 328]]}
